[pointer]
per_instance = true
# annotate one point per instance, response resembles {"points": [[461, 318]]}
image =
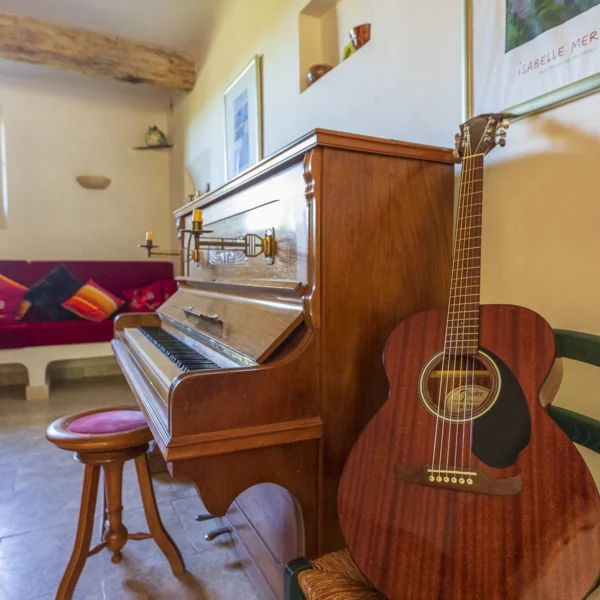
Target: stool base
{"points": [[114, 534]]}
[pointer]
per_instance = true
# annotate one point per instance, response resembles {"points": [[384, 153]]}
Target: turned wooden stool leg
{"points": [[84, 533], [157, 530], [104, 515], [116, 534]]}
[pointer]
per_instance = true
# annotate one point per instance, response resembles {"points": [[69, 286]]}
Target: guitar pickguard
{"points": [[502, 433]]}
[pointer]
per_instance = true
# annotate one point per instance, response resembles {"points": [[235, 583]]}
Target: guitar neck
{"points": [[462, 332]]}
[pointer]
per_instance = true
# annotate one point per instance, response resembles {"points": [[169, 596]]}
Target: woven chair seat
{"points": [[336, 577]]}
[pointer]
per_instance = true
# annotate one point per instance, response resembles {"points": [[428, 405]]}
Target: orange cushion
{"points": [[12, 305], [92, 302]]}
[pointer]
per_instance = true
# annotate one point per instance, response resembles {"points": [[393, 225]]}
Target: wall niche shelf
{"points": [[165, 147], [324, 31]]}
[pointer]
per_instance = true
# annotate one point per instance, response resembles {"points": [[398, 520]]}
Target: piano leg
{"points": [[297, 467]]}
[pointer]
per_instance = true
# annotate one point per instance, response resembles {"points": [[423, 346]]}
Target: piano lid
{"points": [[251, 322]]}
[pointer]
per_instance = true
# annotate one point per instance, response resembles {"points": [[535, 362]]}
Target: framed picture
{"points": [[526, 56], [243, 120]]}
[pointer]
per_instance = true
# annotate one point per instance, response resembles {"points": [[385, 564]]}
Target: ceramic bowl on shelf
{"points": [[316, 72], [155, 137], [360, 35]]}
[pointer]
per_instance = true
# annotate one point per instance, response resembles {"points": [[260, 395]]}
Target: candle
{"points": [[197, 218], [149, 237]]}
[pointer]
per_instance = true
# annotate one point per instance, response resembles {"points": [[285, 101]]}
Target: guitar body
{"points": [[527, 529]]}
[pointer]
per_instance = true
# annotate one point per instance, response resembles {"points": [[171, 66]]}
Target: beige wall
{"points": [[541, 232], [404, 84], [542, 212], [58, 126]]}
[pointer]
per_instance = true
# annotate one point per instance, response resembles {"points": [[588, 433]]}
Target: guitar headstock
{"points": [[480, 135]]}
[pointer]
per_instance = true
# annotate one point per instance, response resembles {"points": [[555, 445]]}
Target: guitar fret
{"points": [[471, 227], [461, 320]]}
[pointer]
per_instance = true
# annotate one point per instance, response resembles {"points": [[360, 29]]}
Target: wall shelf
{"points": [[165, 147]]}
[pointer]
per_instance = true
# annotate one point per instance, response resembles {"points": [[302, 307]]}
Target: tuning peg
{"points": [[502, 131], [505, 123], [457, 142], [502, 142]]}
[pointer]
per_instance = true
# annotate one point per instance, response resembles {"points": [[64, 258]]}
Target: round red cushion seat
{"points": [[112, 421]]}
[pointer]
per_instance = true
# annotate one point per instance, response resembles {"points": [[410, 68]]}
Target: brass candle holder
{"points": [[251, 244]]}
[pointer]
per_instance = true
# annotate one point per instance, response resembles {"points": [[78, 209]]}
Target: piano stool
{"points": [[105, 439]]}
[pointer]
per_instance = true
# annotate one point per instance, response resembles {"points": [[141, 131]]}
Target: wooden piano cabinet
{"points": [[363, 230], [270, 522]]}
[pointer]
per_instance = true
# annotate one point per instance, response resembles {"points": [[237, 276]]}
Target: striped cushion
{"points": [[12, 305], [93, 302]]}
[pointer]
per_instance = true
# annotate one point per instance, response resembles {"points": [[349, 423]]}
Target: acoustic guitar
{"points": [[462, 487]]}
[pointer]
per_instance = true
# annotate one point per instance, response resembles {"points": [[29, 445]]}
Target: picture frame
{"points": [[538, 102], [243, 120]]}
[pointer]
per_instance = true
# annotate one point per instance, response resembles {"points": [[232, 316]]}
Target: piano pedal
{"points": [[215, 533], [201, 518]]}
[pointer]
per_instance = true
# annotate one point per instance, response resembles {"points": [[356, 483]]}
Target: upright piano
{"points": [[258, 375]]}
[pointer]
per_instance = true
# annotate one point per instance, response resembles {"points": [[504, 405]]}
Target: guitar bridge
{"points": [[460, 480]]}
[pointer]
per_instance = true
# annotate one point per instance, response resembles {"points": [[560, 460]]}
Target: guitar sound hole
{"points": [[459, 388]]}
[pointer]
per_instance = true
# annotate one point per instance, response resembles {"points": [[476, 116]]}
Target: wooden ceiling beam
{"points": [[44, 43]]}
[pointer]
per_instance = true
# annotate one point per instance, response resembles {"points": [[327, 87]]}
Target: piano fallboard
{"points": [[246, 323]]}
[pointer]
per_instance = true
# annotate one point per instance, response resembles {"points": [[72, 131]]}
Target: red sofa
{"points": [[37, 332]]}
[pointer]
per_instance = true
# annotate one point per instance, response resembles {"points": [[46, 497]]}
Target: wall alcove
{"points": [[324, 30]]}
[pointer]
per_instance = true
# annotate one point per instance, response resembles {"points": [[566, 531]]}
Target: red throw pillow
{"points": [[145, 299], [12, 304], [169, 287], [93, 303]]}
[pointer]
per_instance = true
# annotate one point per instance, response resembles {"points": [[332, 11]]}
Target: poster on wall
{"points": [[528, 55], [243, 120]]}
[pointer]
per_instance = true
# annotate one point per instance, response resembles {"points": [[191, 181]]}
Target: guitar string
{"points": [[461, 296], [450, 322], [466, 388], [454, 306], [439, 403], [474, 202], [480, 223], [456, 317], [463, 258]]}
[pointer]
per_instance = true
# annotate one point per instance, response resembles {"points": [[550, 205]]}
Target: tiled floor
{"points": [[40, 490]]}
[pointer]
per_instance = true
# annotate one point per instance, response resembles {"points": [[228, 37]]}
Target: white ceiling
{"points": [[183, 25]]}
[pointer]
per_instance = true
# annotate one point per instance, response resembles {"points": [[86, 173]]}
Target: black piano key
{"points": [[179, 353]]}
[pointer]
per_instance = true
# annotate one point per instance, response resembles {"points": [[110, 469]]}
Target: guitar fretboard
{"points": [[462, 333]]}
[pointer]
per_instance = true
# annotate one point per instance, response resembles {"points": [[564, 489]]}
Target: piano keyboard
{"points": [[186, 358]]}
